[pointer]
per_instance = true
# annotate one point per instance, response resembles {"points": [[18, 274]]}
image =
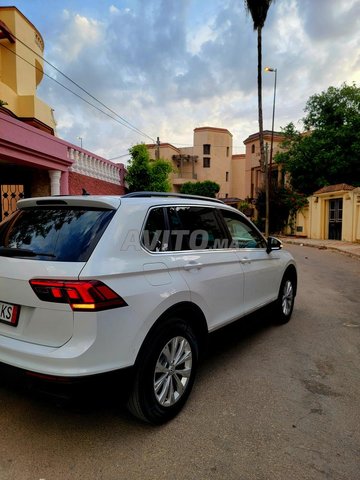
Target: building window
{"points": [[226, 176], [227, 151], [206, 162], [206, 149], [253, 148]]}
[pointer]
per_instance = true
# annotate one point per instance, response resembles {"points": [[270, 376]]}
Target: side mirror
{"points": [[273, 244]]}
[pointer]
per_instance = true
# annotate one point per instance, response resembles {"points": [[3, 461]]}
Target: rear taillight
{"points": [[81, 295]]}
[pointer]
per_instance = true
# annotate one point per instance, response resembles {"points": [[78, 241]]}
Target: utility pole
{"points": [[157, 151], [267, 196]]}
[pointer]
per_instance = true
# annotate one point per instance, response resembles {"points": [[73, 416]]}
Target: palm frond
{"points": [[258, 10]]}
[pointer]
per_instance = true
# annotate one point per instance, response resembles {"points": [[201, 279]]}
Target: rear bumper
{"points": [[116, 383], [101, 342]]}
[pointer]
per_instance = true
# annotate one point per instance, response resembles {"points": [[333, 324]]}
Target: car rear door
{"points": [[199, 249]]}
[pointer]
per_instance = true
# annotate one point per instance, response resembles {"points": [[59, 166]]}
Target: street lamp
{"points": [[268, 173], [274, 70]]}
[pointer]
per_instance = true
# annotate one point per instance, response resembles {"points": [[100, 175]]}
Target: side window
{"points": [[195, 228], [154, 234], [242, 233]]}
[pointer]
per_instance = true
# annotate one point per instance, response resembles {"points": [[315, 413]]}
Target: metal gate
{"points": [[10, 194], [335, 218]]}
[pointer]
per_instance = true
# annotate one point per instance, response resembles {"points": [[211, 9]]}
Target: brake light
{"points": [[81, 295]]}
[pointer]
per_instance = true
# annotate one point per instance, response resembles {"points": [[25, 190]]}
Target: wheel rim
{"points": [[287, 297], [172, 371]]}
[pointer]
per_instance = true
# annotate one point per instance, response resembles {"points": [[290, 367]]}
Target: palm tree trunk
{"points": [[261, 128], [263, 161]]}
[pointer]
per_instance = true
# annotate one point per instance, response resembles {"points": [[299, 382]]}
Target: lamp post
{"points": [[269, 166], [267, 191], [274, 70]]}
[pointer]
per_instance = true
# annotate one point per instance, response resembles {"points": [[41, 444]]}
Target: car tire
{"points": [[165, 372], [284, 304]]}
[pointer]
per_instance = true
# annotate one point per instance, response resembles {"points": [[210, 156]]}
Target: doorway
{"points": [[335, 218], [9, 195]]}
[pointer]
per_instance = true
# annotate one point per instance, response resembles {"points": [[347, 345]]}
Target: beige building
{"points": [[333, 213], [238, 187], [22, 69], [210, 158], [254, 177]]}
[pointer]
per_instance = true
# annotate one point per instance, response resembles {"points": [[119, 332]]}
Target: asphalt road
{"points": [[270, 403]]}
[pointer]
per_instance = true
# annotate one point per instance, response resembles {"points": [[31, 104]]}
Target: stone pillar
{"points": [[55, 176]]}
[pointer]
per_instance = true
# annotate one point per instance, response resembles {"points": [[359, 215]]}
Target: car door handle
{"points": [[192, 265], [245, 260]]}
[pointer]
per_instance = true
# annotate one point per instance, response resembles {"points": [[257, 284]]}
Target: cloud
{"points": [[330, 20], [80, 34], [168, 66]]}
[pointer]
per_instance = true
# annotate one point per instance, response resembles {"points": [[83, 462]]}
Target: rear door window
{"points": [[195, 228], [155, 237], [64, 234]]}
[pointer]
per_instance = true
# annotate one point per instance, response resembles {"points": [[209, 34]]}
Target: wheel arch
{"points": [[190, 313]]}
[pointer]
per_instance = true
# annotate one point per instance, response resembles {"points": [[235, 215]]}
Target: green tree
{"points": [[146, 175], [204, 189], [284, 203], [159, 176], [328, 152]]}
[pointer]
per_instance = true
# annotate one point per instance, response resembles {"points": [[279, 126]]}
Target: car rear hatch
{"points": [[46, 239]]}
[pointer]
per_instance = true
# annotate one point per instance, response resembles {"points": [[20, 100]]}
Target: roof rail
{"points": [[170, 194]]}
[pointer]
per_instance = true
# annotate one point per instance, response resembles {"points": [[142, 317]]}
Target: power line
{"points": [[119, 156], [83, 89], [123, 122]]}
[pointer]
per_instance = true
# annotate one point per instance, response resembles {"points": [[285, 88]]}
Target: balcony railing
{"points": [[189, 175], [95, 167]]}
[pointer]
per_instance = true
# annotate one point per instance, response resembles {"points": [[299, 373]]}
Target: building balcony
{"points": [[182, 177]]}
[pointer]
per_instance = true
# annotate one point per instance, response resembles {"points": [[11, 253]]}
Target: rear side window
{"points": [[155, 236], [64, 234], [195, 228]]}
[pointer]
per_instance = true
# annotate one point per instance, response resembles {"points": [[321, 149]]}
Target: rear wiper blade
{"points": [[22, 252]]}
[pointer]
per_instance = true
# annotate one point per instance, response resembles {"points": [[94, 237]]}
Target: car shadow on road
{"points": [[102, 396]]}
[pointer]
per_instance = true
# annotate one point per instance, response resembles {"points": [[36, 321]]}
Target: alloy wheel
{"points": [[172, 371], [287, 297]]}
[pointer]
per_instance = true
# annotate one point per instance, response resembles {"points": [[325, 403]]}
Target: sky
{"points": [[169, 66]]}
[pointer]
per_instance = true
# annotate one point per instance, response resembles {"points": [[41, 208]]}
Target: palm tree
{"points": [[258, 10]]}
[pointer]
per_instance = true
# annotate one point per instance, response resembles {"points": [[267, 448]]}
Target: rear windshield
{"points": [[63, 234]]}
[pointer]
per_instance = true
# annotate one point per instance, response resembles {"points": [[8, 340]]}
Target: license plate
{"points": [[9, 313]]}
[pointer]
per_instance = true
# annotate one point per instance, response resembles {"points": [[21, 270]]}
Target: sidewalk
{"points": [[352, 249]]}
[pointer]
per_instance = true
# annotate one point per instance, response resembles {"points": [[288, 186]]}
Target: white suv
{"points": [[95, 284]]}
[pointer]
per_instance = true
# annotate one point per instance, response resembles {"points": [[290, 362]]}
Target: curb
{"points": [[321, 246]]}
